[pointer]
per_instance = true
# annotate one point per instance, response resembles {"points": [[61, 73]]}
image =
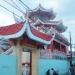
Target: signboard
{"points": [[25, 57]]}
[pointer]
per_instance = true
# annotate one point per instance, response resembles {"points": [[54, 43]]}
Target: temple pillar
{"points": [[35, 57], [18, 51], [51, 46]]}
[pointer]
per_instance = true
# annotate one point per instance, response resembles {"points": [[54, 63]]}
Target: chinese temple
{"points": [[38, 37]]}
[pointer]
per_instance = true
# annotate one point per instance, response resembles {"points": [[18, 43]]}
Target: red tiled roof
{"points": [[12, 29], [41, 35]]}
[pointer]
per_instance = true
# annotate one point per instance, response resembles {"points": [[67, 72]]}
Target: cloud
{"points": [[6, 19], [72, 22], [50, 3]]}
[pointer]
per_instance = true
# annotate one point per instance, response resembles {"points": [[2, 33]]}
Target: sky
{"points": [[64, 9]]}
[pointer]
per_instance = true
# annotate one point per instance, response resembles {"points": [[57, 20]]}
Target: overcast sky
{"points": [[64, 9]]}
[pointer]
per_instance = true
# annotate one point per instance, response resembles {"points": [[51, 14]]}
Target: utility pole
{"points": [[70, 49]]}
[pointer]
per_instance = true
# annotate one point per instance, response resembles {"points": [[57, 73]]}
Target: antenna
{"points": [[13, 6], [9, 10]]}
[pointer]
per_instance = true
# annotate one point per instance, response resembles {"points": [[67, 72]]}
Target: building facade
{"points": [[38, 37]]}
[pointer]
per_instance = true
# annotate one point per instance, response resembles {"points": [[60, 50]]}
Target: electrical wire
{"points": [[13, 6]]}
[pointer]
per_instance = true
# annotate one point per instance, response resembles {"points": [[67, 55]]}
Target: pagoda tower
{"points": [[38, 37]]}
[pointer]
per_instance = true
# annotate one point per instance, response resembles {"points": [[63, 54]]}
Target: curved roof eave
{"points": [[61, 28], [15, 35], [62, 39], [36, 38], [46, 39]]}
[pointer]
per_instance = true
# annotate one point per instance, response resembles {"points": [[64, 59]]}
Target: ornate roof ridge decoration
{"points": [[36, 35], [31, 32], [39, 9], [58, 24], [50, 22]]}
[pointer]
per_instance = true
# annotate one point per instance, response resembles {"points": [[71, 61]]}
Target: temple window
{"points": [[50, 31], [56, 46], [46, 29], [40, 28]]}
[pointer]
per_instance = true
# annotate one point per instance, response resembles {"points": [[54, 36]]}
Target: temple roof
{"points": [[11, 29], [61, 28], [48, 22], [17, 30], [46, 16], [42, 13], [62, 39], [58, 25]]}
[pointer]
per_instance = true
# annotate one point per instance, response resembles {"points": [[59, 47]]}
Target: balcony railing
{"points": [[48, 54]]}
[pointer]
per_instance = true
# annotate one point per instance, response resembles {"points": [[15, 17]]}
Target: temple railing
{"points": [[45, 30], [48, 54], [9, 51]]}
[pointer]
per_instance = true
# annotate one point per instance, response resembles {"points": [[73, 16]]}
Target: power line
{"points": [[22, 5], [17, 6], [9, 11], [13, 6], [25, 5]]}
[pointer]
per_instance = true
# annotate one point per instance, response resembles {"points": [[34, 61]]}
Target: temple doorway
{"points": [[26, 61]]}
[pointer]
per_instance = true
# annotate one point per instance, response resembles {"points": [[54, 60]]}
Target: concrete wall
{"points": [[7, 65], [61, 66]]}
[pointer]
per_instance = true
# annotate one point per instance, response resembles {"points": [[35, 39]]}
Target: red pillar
{"points": [[51, 46]]}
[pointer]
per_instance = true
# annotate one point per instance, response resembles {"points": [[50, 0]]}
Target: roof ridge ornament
{"points": [[42, 13], [40, 7]]}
